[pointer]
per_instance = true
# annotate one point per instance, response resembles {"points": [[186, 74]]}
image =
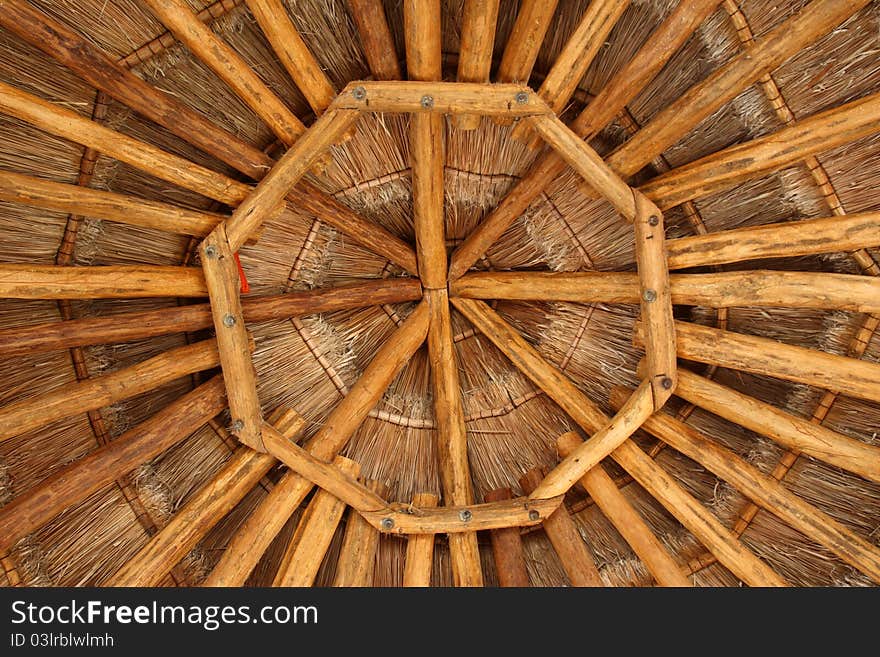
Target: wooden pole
{"points": [[764, 490], [475, 53], [228, 66], [507, 548], [451, 435], [819, 133], [766, 55], [293, 53], [695, 517], [715, 290], [567, 541], [121, 208], [521, 51], [420, 548], [204, 510], [749, 353], [588, 455], [75, 482], [321, 473], [810, 236], [791, 432], [249, 544], [443, 98], [622, 88], [113, 282], [625, 519], [222, 278], [357, 557], [270, 193], [428, 153], [312, 537], [94, 66], [99, 391], [125, 327], [421, 30], [372, 26], [576, 56], [74, 127]]}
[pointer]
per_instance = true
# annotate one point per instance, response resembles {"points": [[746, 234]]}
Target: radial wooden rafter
{"points": [[651, 287]]}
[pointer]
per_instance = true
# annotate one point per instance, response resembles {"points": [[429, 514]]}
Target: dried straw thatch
{"points": [[309, 363]]}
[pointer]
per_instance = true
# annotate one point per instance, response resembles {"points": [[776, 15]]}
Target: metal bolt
{"points": [[211, 251], [427, 102], [465, 515], [359, 93], [387, 523], [534, 514], [649, 295], [521, 97], [228, 320], [653, 220], [237, 426]]}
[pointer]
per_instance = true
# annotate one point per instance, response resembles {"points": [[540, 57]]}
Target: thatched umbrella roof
{"points": [[395, 360]]}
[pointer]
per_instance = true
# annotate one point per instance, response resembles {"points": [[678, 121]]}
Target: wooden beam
{"points": [[576, 56], [782, 240], [121, 208], [372, 26], [428, 156], [204, 510], [475, 52], [462, 520], [293, 53], [99, 391], [527, 359], [583, 159], [125, 327], [529, 30], [736, 164], [765, 288], [421, 31], [623, 87], [507, 548], [94, 66], [270, 193], [720, 541], [419, 561], [677, 119], [766, 491], [749, 353], [326, 475], [569, 545], [222, 278], [313, 534], [444, 98], [113, 282], [249, 544], [76, 128], [791, 432], [75, 482], [201, 40], [357, 557], [625, 519], [588, 455]]}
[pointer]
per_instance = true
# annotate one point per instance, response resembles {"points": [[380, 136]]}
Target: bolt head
{"points": [[666, 383], [534, 514], [649, 295], [427, 102], [653, 220], [228, 320], [237, 426], [465, 515], [359, 93], [387, 523], [521, 98], [211, 251]]}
